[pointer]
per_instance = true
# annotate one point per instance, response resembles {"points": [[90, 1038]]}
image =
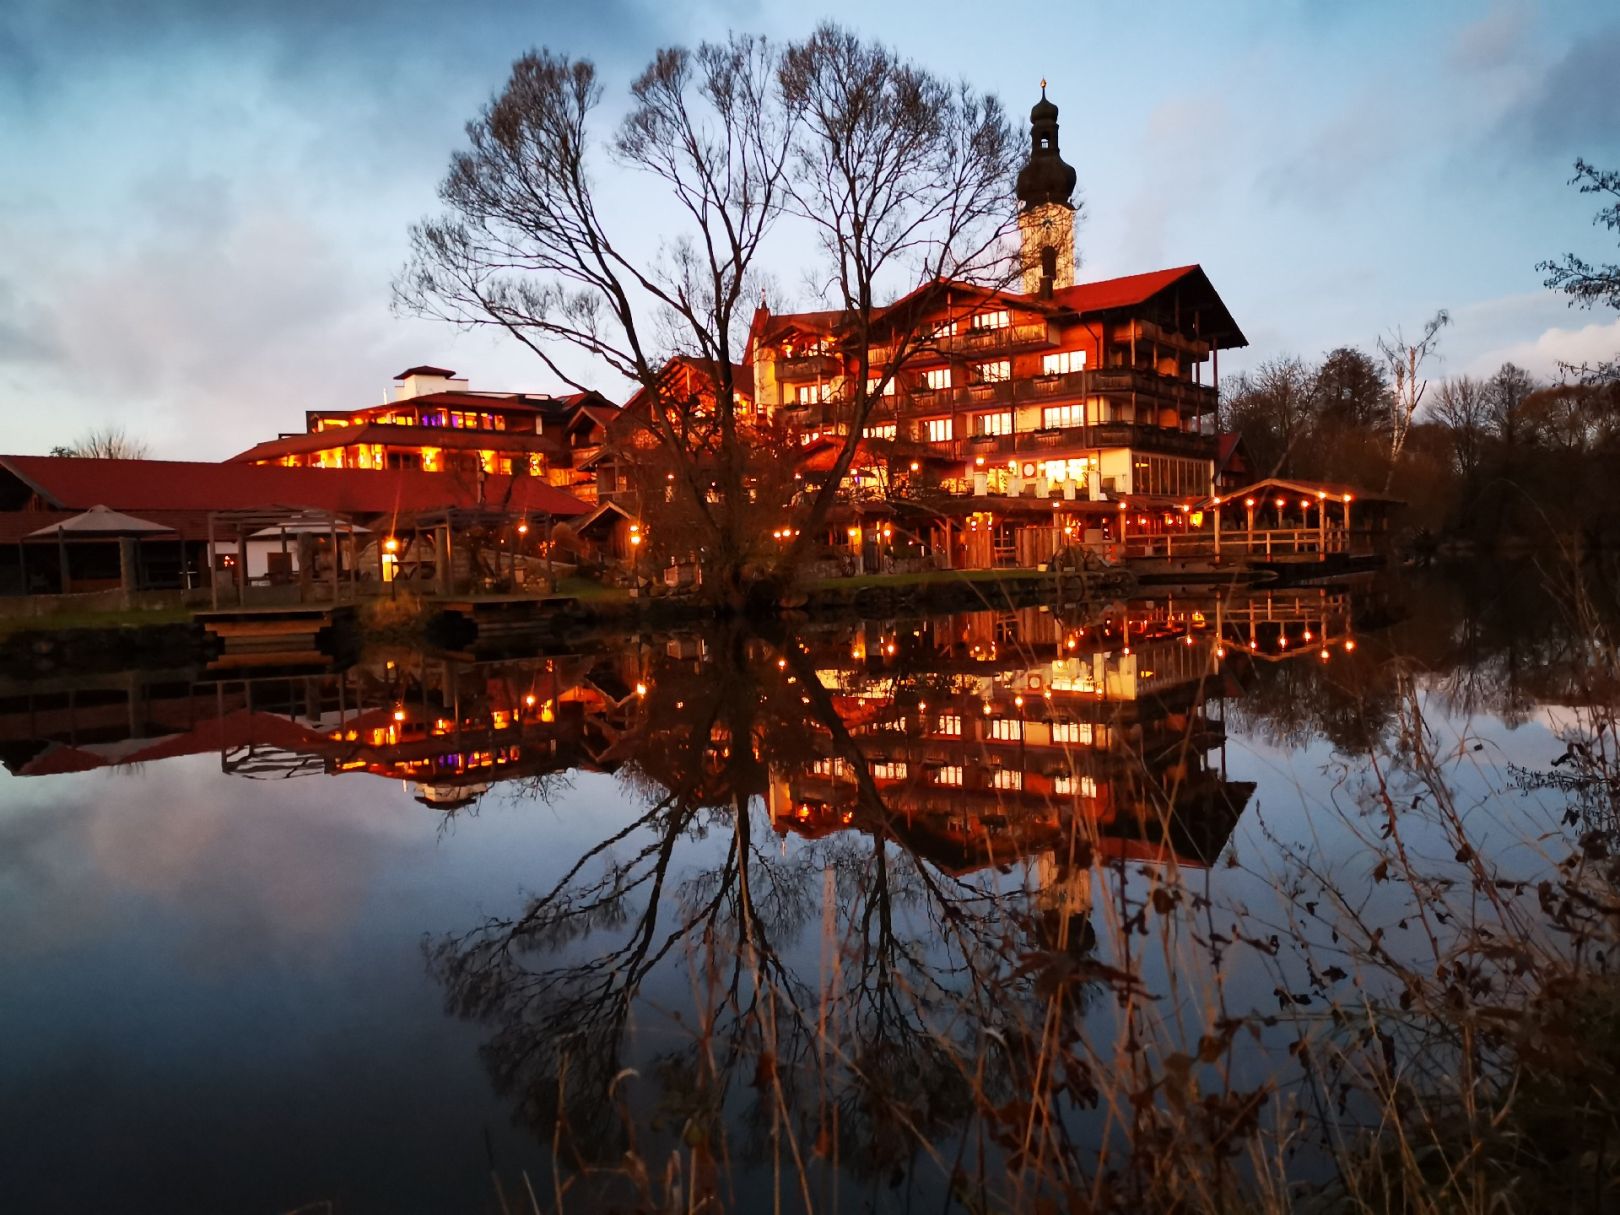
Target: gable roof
{"points": [[1185, 286]]}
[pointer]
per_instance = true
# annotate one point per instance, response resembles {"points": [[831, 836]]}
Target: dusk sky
{"points": [[206, 200]]}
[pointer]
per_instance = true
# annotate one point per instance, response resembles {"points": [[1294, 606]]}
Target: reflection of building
{"points": [[448, 730], [1022, 729]]}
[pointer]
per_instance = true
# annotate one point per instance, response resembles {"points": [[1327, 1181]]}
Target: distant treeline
{"points": [[1502, 458]]}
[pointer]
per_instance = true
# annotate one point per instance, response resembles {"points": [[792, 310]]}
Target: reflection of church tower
{"points": [[1046, 217]]}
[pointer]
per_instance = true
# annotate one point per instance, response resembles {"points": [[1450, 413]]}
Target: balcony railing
{"points": [[809, 367], [1159, 440]]}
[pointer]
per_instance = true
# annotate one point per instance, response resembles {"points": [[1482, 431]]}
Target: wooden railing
{"points": [[1261, 543]]}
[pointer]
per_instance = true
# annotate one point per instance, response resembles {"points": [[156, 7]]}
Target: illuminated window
{"points": [[872, 386], [1086, 786], [1072, 732], [995, 373], [1006, 778], [949, 724], [812, 394], [993, 423], [949, 774], [895, 770], [936, 378], [880, 430], [1006, 729], [998, 319], [1063, 362], [939, 430]]}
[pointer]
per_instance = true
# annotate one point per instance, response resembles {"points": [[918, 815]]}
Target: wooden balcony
{"points": [[1155, 439], [809, 367], [1028, 336]]}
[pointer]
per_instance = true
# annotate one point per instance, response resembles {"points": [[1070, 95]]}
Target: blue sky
{"points": [[205, 200]]}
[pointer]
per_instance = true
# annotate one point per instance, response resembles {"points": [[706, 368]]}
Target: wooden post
{"points": [[332, 534], [1321, 527], [213, 577], [128, 573], [1217, 510], [1348, 547], [1248, 516], [62, 560], [241, 565]]}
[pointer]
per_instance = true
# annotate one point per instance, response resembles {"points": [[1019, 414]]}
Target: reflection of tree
{"points": [[923, 974]]}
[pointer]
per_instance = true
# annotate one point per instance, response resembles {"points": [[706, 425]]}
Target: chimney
{"points": [[419, 381]]}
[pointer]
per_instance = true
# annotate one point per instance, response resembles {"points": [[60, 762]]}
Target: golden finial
{"points": [[1043, 86]]}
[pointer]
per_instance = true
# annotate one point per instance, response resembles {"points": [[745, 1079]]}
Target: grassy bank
{"points": [[62, 622]]}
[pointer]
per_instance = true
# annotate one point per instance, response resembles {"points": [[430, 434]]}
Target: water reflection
{"points": [[880, 911]]}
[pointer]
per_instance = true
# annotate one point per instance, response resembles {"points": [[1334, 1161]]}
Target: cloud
{"points": [[1544, 354], [1500, 38], [1571, 108]]}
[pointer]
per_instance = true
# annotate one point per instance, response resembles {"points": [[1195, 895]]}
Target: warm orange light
{"points": [[979, 461], [915, 466], [399, 714], [391, 545], [523, 529], [529, 700], [1248, 502], [1324, 655], [1349, 644], [641, 689]]}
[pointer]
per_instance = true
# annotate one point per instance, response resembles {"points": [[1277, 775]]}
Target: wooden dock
{"points": [[297, 635]]}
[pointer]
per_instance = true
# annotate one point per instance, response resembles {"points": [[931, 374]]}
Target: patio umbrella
{"points": [[100, 523]]}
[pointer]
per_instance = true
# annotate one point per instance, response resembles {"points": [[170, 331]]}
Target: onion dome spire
{"points": [[1045, 177]]}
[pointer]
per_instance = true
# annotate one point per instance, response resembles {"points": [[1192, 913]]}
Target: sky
{"points": [[204, 202]]}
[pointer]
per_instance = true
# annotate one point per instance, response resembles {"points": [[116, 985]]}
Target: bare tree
{"points": [[902, 178], [525, 247], [907, 182], [1273, 407], [1505, 395], [109, 442], [1405, 359], [1463, 407]]}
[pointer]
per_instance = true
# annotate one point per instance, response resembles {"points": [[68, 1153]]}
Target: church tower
{"points": [[1046, 216]]}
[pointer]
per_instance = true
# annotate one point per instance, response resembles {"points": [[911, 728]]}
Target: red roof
{"points": [[143, 486], [1120, 292], [1129, 291], [391, 435]]}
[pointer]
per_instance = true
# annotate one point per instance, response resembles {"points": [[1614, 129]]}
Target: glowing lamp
{"points": [[391, 545], [523, 529], [529, 700], [978, 461], [1248, 502], [399, 714], [641, 689]]}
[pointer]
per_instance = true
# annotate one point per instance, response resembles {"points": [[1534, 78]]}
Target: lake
{"points": [[1002, 907]]}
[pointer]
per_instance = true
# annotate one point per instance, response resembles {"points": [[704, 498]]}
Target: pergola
{"points": [[283, 521]]}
